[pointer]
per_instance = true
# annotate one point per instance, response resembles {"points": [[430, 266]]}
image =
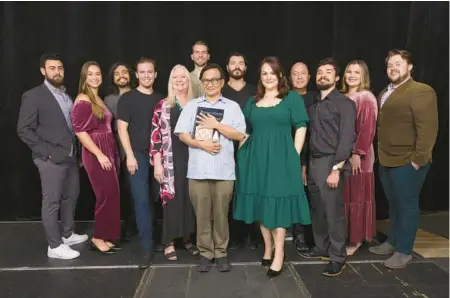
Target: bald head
{"points": [[299, 75]]}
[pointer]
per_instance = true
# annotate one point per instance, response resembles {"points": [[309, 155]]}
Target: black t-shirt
{"points": [[240, 96], [136, 108]]}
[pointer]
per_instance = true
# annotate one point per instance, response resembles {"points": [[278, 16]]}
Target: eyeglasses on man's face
{"points": [[214, 81]]}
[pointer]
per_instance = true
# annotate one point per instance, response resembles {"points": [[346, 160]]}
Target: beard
{"points": [[56, 81], [122, 83], [238, 76], [325, 85], [399, 79]]}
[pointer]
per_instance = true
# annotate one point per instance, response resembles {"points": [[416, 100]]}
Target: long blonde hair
{"points": [[84, 88], [170, 100], [365, 77]]}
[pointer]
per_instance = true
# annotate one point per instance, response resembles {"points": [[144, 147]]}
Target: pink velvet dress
{"points": [[359, 189], [104, 183]]}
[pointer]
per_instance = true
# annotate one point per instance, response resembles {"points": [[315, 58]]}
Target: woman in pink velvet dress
{"points": [[359, 188], [92, 125]]}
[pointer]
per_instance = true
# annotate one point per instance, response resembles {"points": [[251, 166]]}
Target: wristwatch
{"points": [[335, 168]]}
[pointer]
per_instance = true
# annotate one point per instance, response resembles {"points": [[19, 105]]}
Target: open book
{"points": [[204, 134]]}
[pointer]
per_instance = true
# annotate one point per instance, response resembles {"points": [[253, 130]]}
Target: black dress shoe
{"points": [[334, 269], [223, 265], [106, 252], [205, 265], [314, 253], [147, 260], [302, 247]]}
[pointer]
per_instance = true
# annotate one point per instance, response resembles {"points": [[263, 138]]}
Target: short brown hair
{"points": [[403, 53], [143, 60], [283, 87], [200, 43]]}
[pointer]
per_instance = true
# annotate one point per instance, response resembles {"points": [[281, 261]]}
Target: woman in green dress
{"points": [[269, 187]]}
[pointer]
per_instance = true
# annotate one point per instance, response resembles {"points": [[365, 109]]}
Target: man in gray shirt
{"points": [[121, 83]]}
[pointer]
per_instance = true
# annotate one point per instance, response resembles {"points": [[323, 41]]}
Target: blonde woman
{"points": [[91, 121], [359, 188], [169, 156]]}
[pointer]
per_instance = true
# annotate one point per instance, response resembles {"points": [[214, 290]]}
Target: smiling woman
{"points": [[91, 122]]}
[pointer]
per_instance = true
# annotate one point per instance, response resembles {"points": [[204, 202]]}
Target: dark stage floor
{"points": [[25, 271]]}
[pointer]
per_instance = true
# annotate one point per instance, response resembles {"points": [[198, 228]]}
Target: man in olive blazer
{"points": [[407, 131]]}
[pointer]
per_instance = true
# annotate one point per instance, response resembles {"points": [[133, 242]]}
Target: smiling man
{"points": [[211, 165], [407, 131], [332, 135], [135, 112], [200, 56]]}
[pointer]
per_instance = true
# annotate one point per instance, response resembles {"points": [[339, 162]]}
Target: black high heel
{"points": [[95, 248], [272, 273], [265, 262]]}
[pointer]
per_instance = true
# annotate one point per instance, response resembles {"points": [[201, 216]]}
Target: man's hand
{"points": [[415, 166], [207, 121], [333, 179], [355, 162], [132, 165], [304, 175], [210, 146]]}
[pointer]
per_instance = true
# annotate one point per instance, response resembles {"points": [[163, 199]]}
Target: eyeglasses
{"points": [[214, 82]]}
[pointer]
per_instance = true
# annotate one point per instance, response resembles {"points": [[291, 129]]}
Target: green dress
{"points": [[269, 187]]}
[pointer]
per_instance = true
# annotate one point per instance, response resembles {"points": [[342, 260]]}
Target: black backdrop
{"points": [[110, 31]]}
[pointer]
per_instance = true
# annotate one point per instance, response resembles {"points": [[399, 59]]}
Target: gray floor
{"points": [[25, 271]]}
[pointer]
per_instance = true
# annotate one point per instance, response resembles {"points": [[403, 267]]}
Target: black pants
{"points": [[126, 201], [327, 209]]}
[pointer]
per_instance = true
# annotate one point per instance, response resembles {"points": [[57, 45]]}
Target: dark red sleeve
{"points": [[366, 122], [82, 117]]}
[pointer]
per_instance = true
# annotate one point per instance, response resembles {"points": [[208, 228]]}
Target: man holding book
{"points": [[209, 125]]}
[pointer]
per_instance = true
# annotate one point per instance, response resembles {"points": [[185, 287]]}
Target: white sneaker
{"points": [[75, 239], [62, 252]]}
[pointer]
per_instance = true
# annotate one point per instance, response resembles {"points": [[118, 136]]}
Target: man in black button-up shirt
{"points": [[332, 136]]}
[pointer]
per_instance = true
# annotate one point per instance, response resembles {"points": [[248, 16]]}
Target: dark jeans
{"points": [[126, 200], [402, 186], [139, 184]]}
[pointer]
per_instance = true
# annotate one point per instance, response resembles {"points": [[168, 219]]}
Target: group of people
{"points": [[286, 158]]}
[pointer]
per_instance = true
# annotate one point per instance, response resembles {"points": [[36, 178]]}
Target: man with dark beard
{"points": [[239, 91], [45, 126], [332, 136], [121, 83]]}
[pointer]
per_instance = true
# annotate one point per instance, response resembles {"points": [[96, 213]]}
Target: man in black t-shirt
{"points": [[135, 111], [299, 79], [239, 91]]}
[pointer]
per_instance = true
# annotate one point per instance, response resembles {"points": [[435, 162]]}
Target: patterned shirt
{"points": [[203, 165], [391, 88], [65, 103]]}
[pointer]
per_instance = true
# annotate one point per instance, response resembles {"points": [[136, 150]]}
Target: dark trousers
{"points": [[139, 184], [126, 200], [402, 186], [60, 185], [327, 209]]}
